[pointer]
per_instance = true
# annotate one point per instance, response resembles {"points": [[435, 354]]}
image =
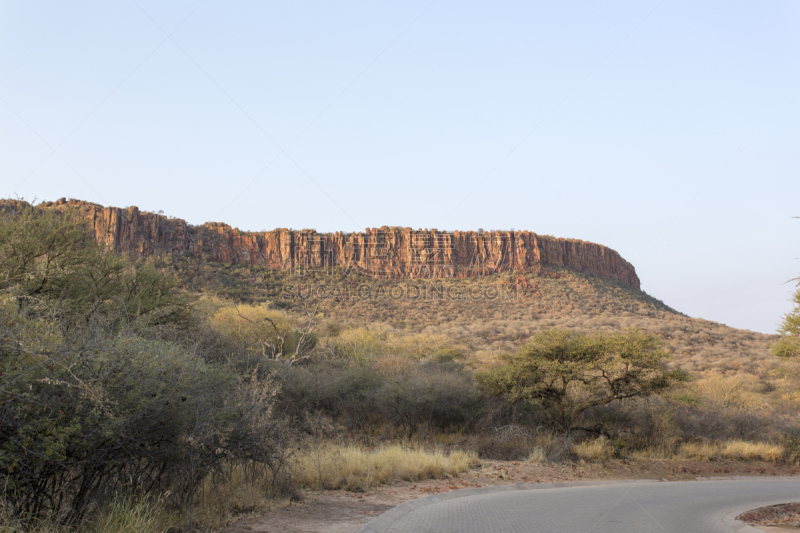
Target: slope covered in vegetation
{"points": [[178, 389], [484, 316]]}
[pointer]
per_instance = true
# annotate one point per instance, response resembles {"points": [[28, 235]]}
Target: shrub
{"points": [[358, 345], [94, 401], [791, 447], [408, 396], [131, 412], [436, 395], [500, 448], [344, 392], [265, 335]]}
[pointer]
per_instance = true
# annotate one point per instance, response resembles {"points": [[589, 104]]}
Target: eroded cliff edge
{"points": [[390, 252]]}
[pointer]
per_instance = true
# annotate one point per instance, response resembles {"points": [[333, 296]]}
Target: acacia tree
{"points": [[789, 343], [565, 373]]}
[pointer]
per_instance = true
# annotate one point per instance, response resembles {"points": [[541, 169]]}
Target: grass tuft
{"points": [[699, 451], [354, 468], [125, 515], [752, 451], [537, 455], [593, 450], [736, 450]]}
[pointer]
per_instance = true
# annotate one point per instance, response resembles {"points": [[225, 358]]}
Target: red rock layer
{"points": [[385, 252]]}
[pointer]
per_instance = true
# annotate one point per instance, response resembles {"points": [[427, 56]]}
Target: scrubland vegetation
{"points": [[357, 468], [177, 393]]}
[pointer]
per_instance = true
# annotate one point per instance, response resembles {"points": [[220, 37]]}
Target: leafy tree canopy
{"points": [[566, 372], [789, 343], [44, 256]]}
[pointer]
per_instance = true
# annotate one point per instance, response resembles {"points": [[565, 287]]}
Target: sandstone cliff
{"points": [[390, 252]]}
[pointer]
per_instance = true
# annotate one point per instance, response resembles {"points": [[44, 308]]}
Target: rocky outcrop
{"points": [[390, 252]]}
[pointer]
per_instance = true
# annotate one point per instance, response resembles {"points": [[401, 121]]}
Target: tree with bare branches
{"points": [[279, 339]]}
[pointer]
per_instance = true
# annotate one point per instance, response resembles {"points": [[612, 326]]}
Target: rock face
{"points": [[389, 252]]}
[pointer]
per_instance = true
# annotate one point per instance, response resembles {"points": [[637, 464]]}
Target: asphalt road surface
{"points": [[618, 507]]}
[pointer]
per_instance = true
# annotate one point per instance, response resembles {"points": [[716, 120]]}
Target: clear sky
{"points": [[669, 131]]}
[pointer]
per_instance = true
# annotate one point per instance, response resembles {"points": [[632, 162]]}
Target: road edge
{"points": [[737, 525], [383, 521]]}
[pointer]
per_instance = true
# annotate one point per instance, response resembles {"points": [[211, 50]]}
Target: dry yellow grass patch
{"points": [[700, 451], [593, 450], [751, 451], [354, 468], [737, 450]]}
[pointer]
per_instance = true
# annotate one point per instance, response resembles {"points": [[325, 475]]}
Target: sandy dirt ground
{"points": [[346, 512]]}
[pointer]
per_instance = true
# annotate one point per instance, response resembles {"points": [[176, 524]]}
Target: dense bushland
{"points": [[97, 396], [394, 396]]}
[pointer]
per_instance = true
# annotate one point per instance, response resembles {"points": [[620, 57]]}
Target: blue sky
{"points": [[665, 130]]}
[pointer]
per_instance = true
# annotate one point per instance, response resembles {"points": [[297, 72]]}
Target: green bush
{"points": [[791, 446], [94, 400], [436, 395], [789, 343]]}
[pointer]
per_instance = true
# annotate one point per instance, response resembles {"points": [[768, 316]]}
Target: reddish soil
{"points": [[346, 512]]}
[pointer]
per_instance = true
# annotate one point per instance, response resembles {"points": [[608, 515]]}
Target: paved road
{"points": [[625, 507]]}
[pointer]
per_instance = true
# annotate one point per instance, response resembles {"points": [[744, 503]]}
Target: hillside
{"points": [[484, 316], [405, 283]]}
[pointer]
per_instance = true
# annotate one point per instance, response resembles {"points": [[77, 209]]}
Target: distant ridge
{"points": [[387, 252]]}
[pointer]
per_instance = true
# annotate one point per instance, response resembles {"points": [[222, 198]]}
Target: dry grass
{"points": [[236, 490], [538, 455], [128, 516], [220, 499], [596, 450], [124, 515], [651, 454], [752, 451], [354, 468], [700, 451], [735, 450]]}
